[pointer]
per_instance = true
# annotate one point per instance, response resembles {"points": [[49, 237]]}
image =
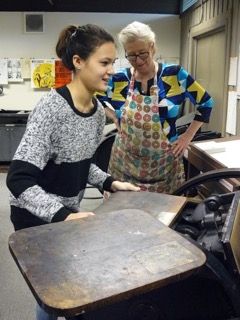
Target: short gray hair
{"points": [[136, 31]]}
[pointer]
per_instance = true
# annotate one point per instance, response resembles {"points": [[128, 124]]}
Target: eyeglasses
{"points": [[133, 57]]}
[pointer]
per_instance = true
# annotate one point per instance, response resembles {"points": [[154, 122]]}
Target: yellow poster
{"points": [[42, 73]]}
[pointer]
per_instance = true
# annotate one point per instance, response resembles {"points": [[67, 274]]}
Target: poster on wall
{"points": [[3, 71], [42, 73], [121, 64], [26, 69], [231, 123], [62, 74], [238, 74], [14, 70]]}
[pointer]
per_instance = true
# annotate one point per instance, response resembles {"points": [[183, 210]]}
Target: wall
{"points": [[206, 18], [16, 44]]}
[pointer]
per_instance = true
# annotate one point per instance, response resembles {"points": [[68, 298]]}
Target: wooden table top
{"points": [[207, 160], [166, 208], [80, 265]]}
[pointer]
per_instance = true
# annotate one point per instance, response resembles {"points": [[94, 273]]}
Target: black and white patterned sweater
{"points": [[53, 163]]}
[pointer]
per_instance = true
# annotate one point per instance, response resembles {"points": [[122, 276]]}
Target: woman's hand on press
{"points": [[123, 186], [79, 215]]}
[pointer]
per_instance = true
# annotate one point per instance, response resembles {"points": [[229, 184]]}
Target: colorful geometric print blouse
{"points": [[176, 86]]}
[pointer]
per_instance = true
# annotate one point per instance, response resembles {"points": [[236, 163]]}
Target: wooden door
{"points": [[209, 63]]}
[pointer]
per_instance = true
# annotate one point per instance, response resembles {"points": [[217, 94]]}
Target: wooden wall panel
{"points": [[203, 17]]}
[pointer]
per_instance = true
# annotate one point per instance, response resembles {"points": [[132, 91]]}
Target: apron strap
{"points": [[131, 86]]}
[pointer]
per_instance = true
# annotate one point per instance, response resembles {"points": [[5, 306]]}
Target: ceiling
{"points": [[123, 6]]}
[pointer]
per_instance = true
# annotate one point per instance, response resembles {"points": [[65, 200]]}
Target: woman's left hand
{"points": [[123, 186], [180, 145]]}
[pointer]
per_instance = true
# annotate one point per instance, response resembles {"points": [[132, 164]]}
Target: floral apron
{"points": [[142, 153]]}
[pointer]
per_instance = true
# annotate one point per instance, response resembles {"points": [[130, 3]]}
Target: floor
{"points": [[16, 300]]}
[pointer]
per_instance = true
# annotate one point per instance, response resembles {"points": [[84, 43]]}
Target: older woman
{"points": [[146, 97]]}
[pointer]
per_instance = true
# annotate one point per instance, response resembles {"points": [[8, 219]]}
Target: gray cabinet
{"points": [[10, 137]]}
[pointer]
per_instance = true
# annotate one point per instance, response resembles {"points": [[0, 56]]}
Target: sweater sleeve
{"points": [[197, 95], [30, 158], [116, 93], [99, 178]]}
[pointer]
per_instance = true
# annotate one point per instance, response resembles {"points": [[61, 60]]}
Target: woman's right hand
{"points": [[79, 215]]}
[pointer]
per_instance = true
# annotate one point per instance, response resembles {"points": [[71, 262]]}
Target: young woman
{"points": [[147, 97], [53, 163]]}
